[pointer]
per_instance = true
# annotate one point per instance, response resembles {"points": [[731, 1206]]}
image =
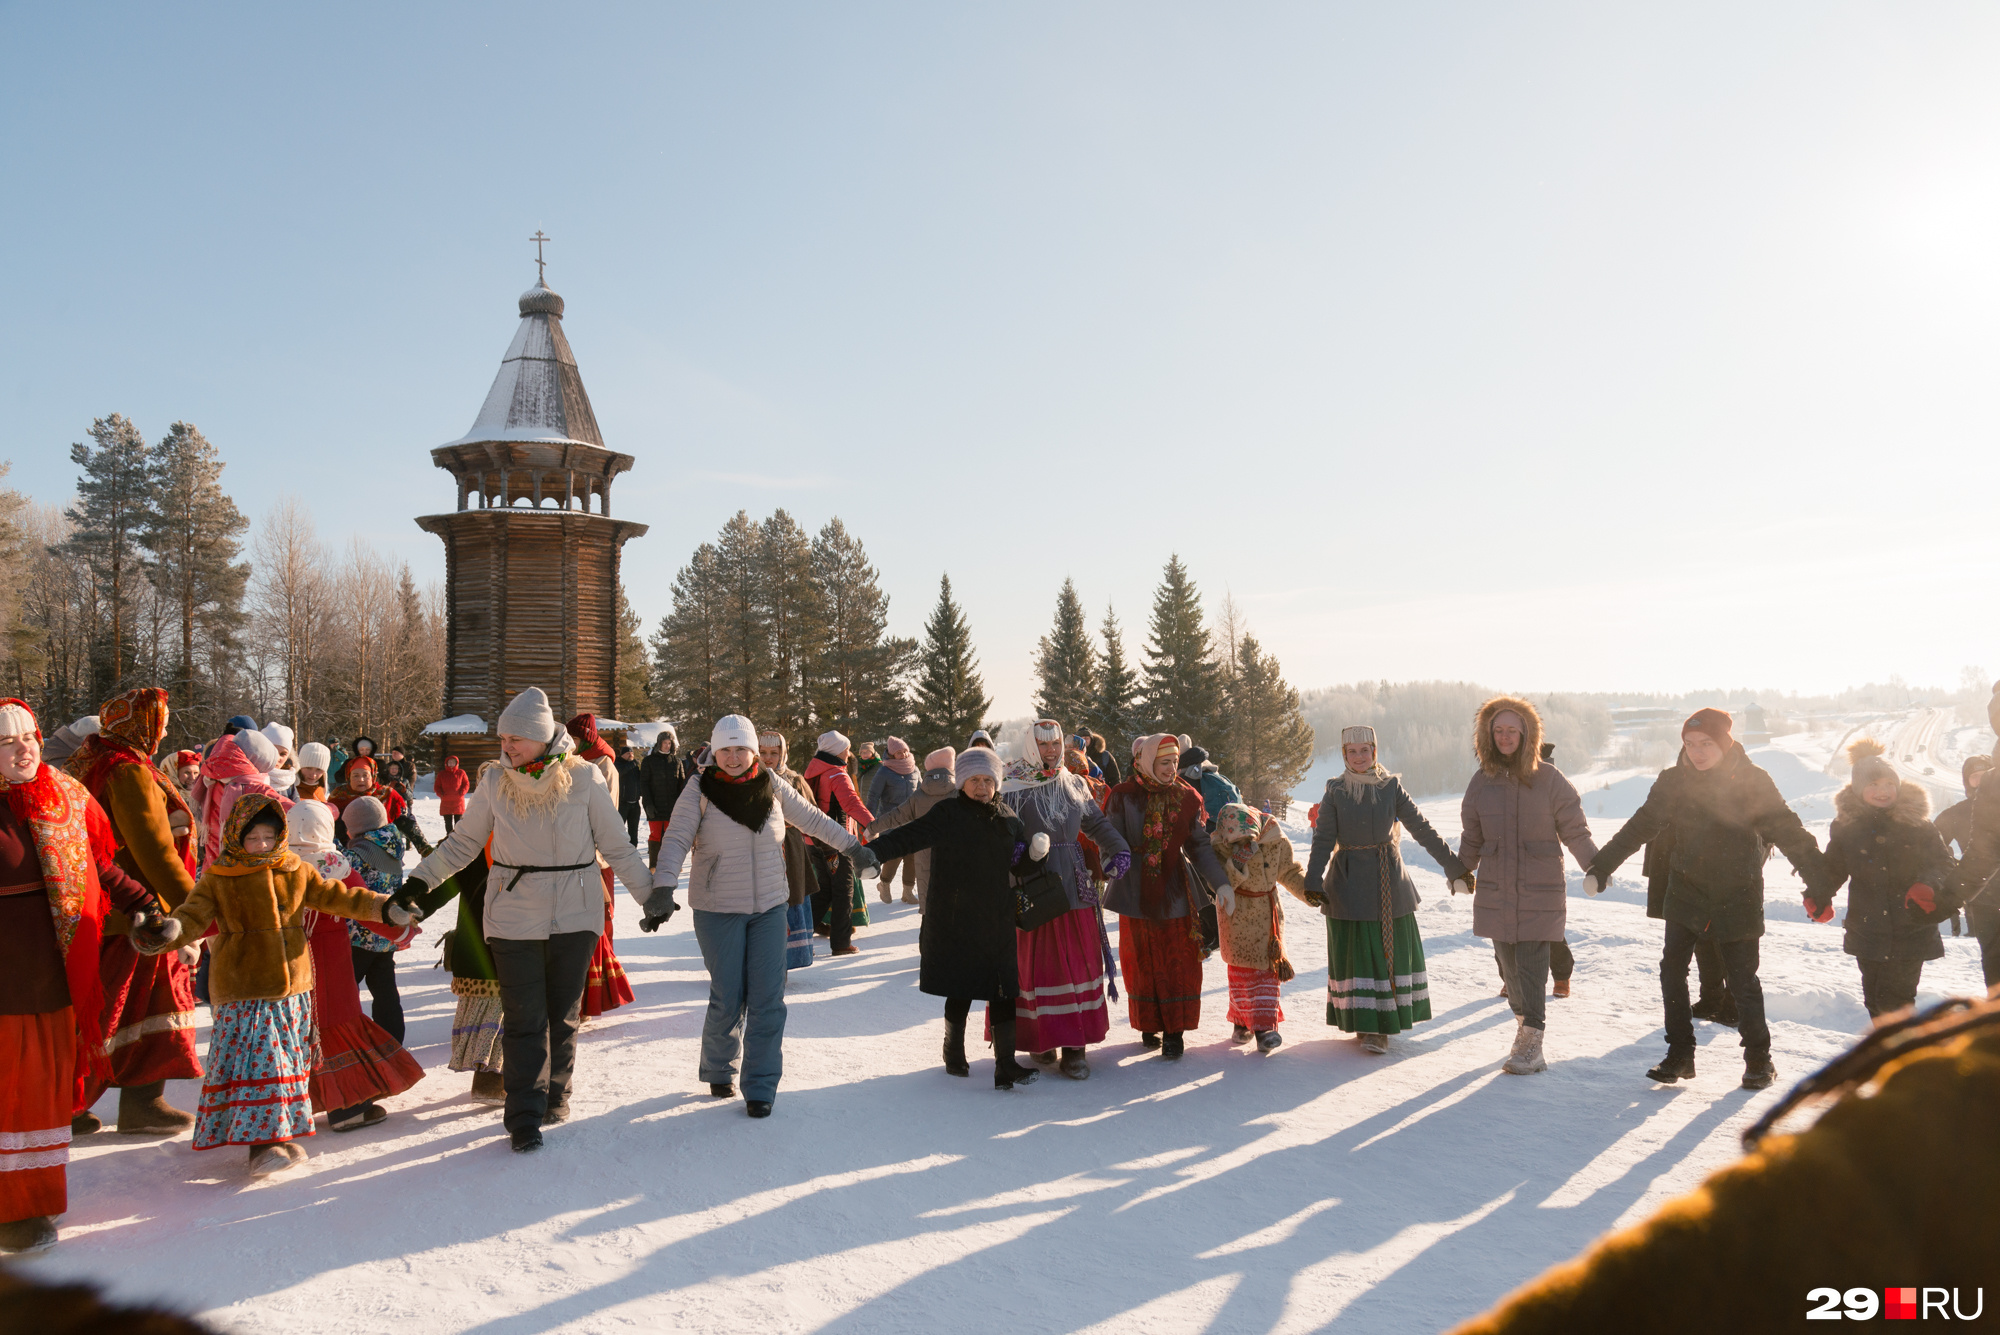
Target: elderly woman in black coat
{"points": [[966, 947]]}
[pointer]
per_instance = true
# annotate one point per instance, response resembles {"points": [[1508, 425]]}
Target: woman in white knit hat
{"points": [[733, 818], [548, 819], [1375, 980]]}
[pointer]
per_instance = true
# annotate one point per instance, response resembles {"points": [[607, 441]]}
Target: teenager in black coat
{"points": [[966, 948]]}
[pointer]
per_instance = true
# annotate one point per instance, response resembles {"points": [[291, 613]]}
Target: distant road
{"points": [[1914, 743]]}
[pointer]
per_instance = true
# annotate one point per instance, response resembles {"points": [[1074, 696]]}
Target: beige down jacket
{"points": [[1514, 837], [736, 869], [564, 817]]}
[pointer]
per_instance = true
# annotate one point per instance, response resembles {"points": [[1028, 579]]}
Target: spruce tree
{"points": [[690, 648], [1270, 744], [793, 612], [111, 508], [860, 670], [746, 650], [1115, 712], [951, 700], [192, 533], [1067, 664], [634, 699], [1182, 686]]}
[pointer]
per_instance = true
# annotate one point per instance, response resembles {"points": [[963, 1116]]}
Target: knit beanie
{"points": [[528, 715], [833, 743], [279, 734], [1193, 758], [980, 737], [1712, 723], [240, 723], [1869, 764], [944, 758], [314, 755], [977, 760], [258, 750], [364, 814], [17, 720], [733, 730]]}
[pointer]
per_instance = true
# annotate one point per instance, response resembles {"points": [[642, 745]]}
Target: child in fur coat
{"points": [[255, 1091], [1259, 859], [1895, 865]]}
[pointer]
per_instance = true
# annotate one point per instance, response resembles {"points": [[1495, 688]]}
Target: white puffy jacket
{"points": [[737, 870]]}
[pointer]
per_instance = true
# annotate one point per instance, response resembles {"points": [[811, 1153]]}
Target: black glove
{"points": [[414, 888], [660, 906]]}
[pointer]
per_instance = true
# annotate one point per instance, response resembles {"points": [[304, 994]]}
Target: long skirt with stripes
{"points": [[1363, 994], [1061, 1003], [261, 1056], [1162, 966], [1254, 1000]]}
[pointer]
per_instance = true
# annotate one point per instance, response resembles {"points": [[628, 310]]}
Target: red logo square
{"points": [[1899, 1304]]}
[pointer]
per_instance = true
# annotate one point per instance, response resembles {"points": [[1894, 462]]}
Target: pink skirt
{"points": [[1253, 999], [1061, 1004]]}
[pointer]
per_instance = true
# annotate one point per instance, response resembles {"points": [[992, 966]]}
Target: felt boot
{"points": [[36, 1234], [489, 1087], [143, 1110]]}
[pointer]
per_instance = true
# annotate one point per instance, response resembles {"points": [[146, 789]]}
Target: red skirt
{"points": [[1061, 1004], [149, 1017], [358, 1061], [605, 989], [1162, 967], [1254, 1000], [37, 1090]]}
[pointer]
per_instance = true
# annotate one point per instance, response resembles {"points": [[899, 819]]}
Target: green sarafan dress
{"points": [[1375, 979]]}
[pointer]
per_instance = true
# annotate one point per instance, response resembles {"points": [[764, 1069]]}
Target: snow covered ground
{"points": [[1315, 1189]]}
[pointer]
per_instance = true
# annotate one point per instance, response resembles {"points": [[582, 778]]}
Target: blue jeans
{"points": [[745, 956]]}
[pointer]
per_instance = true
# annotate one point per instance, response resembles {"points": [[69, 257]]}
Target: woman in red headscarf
{"points": [[149, 1016], [606, 988], [56, 872]]}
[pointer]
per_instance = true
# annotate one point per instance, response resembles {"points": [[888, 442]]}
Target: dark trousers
{"points": [[541, 991], [631, 815], [1708, 964], [1562, 964], [449, 821], [999, 1010], [834, 900], [1888, 986], [377, 968], [1985, 925], [1524, 966], [1739, 962]]}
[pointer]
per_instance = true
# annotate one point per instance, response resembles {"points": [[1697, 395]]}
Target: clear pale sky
{"points": [[1547, 346]]}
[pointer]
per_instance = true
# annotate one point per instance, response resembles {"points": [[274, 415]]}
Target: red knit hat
{"points": [[1715, 723]]}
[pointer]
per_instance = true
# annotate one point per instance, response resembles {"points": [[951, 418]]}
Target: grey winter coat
{"points": [[736, 869], [889, 789], [563, 818], [1062, 809], [1514, 837], [1349, 836]]}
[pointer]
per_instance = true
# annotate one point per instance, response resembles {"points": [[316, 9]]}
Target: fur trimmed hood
{"points": [[1527, 758], [1913, 804]]}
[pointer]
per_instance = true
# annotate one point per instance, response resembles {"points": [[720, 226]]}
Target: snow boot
{"points": [[28, 1235], [1758, 1073], [353, 1119], [558, 1112], [722, 1089], [1375, 1043], [883, 890], [758, 1107], [144, 1111], [652, 855], [268, 1159], [1046, 1057], [1561, 987], [1073, 1064], [85, 1123], [1007, 1072], [1239, 1033], [845, 950], [525, 1141], [1526, 1058], [1147, 1040], [954, 1049], [909, 895], [1678, 1065], [1172, 1046], [1268, 1040], [488, 1087]]}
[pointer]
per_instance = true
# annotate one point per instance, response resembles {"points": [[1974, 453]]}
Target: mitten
{"points": [[414, 887], [1817, 911], [863, 857], [1120, 864], [1593, 884], [1921, 898], [1463, 887], [660, 906], [152, 935], [398, 914], [1038, 847]]}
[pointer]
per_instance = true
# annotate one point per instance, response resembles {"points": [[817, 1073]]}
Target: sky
{"points": [[1554, 347]]}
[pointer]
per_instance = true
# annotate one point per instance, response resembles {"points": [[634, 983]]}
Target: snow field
{"points": [[1314, 1189]]}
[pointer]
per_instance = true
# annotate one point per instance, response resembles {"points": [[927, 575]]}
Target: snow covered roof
{"points": [[458, 725], [538, 395]]}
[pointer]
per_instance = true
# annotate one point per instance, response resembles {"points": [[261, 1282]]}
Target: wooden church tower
{"points": [[531, 552]]}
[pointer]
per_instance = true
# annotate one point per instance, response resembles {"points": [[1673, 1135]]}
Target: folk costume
{"points": [[1258, 859], [605, 987]]}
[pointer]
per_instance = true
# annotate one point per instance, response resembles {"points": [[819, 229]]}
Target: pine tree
{"points": [[111, 506], [1270, 744], [951, 700], [690, 649], [860, 670], [792, 609], [21, 650], [1067, 664], [1183, 688], [1115, 712], [634, 699], [192, 534], [746, 645]]}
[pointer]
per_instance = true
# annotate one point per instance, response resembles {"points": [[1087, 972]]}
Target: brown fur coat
{"points": [[1253, 937], [259, 952]]}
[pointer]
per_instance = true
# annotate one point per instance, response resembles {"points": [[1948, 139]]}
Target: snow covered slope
{"points": [[1315, 1189]]}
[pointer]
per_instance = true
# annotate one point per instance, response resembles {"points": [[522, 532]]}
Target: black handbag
{"points": [[1039, 898], [1201, 902]]}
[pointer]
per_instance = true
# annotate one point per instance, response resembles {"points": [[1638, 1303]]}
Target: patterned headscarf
{"points": [[1146, 753], [1237, 822], [1028, 771], [137, 718], [248, 808]]}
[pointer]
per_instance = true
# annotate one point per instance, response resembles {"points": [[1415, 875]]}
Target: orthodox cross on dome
{"points": [[539, 240]]}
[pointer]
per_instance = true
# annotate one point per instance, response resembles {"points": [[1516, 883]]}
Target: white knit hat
{"points": [[17, 721], [733, 730], [977, 760], [833, 743], [279, 734], [314, 755], [258, 750], [528, 715]]}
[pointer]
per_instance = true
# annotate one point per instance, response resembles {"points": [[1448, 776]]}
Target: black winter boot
{"points": [[652, 855], [1172, 1046], [1007, 1072], [1758, 1073], [1678, 1065], [954, 1049]]}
